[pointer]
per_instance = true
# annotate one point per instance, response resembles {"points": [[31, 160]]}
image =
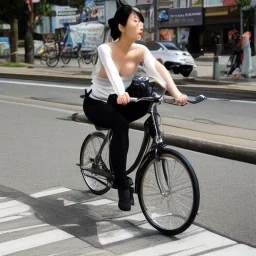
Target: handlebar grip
{"points": [[132, 99]]}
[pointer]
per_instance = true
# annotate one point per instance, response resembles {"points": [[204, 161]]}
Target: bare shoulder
{"points": [[140, 49]]}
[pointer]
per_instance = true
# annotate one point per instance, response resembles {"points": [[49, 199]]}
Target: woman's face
{"points": [[134, 28]]}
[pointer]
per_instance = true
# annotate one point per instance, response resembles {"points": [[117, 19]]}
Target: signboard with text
{"points": [[183, 17], [215, 3]]}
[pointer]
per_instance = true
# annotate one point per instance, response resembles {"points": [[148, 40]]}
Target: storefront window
{"points": [[168, 35]]}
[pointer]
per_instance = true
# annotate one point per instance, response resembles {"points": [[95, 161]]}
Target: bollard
{"points": [[217, 50], [216, 68]]}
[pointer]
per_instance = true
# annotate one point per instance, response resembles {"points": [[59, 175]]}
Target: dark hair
{"points": [[121, 17]]}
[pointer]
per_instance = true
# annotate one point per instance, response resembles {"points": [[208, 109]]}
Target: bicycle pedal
{"points": [[131, 193]]}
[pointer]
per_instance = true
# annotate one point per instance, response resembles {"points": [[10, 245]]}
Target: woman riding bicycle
{"points": [[117, 64]]}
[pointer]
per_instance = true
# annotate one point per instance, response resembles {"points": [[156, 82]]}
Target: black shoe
{"points": [[124, 202]]}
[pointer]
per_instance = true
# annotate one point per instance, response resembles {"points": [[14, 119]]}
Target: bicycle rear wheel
{"points": [[66, 55], [168, 192], [98, 185], [52, 58], [94, 57]]}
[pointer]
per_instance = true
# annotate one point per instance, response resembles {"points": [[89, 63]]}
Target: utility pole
{"points": [[156, 34]]}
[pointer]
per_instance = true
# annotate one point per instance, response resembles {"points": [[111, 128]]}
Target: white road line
{"points": [[49, 192], [66, 202], [21, 229], [33, 241], [8, 204], [99, 202], [238, 101], [134, 217], [45, 85], [237, 250], [11, 218], [14, 210], [114, 236], [244, 101], [2, 198], [37, 106], [196, 244]]}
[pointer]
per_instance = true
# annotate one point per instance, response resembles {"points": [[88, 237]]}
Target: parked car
{"points": [[171, 56]]}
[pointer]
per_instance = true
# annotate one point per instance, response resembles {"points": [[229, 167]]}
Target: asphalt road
{"points": [[39, 149]]}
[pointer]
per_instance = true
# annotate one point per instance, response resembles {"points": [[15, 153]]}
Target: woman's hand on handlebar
{"points": [[123, 99], [182, 99]]}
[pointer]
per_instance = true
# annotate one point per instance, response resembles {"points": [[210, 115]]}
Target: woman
{"points": [[118, 62]]}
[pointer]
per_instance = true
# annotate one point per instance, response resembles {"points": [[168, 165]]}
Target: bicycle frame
{"points": [[152, 130]]}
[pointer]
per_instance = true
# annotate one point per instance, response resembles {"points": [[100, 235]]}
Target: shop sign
{"points": [[183, 17], [214, 3], [89, 34], [65, 13], [179, 3], [144, 2], [4, 46], [165, 4]]}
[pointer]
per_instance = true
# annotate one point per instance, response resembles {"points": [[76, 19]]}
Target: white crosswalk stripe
{"points": [[22, 233]]}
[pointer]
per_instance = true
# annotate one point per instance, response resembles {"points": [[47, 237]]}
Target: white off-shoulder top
{"points": [[103, 87]]}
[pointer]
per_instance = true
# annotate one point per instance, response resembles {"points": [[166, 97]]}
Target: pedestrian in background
{"points": [[235, 59]]}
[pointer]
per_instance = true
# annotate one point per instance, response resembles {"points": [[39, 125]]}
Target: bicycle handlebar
{"points": [[173, 101]]}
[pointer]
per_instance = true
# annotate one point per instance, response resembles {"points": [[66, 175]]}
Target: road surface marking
{"points": [[45, 85], [114, 236], [196, 244], [11, 218], [38, 106], [14, 210], [237, 250], [49, 192], [66, 202], [8, 204], [135, 217], [21, 229], [33, 241], [99, 202]]}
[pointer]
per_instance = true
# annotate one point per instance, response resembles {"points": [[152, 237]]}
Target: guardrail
{"points": [[232, 152]]}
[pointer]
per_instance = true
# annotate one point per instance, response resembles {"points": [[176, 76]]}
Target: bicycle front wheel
{"points": [[168, 192], [98, 185]]}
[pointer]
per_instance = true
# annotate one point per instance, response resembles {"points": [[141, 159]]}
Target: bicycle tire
{"points": [[52, 59], [93, 182], [155, 218], [94, 58], [87, 57], [43, 58], [66, 55]]}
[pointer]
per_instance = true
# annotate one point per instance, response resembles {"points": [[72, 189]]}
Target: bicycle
{"points": [[169, 199], [60, 51], [86, 57]]}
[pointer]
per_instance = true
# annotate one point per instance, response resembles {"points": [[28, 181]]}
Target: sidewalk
{"points": [[227, 87]]}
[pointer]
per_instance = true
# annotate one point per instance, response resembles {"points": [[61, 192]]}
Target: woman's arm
{"points": [[104, 52], [158, 71]]}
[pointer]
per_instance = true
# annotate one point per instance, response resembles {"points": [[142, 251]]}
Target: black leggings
{"points": [[116, 118]]}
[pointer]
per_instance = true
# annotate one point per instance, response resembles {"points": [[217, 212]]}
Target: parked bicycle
{"points": [[165, 182], [60, 51], [86, 57]]}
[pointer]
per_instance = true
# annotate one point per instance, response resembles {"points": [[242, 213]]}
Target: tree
{"points": [[248, 8], [9, 12]]}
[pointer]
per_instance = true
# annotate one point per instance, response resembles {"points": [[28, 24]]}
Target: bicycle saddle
{"points": [[98, 128]]}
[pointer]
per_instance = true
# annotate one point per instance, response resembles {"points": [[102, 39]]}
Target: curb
{"points": [[222, 150], [183, 85], [47, 78]]}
